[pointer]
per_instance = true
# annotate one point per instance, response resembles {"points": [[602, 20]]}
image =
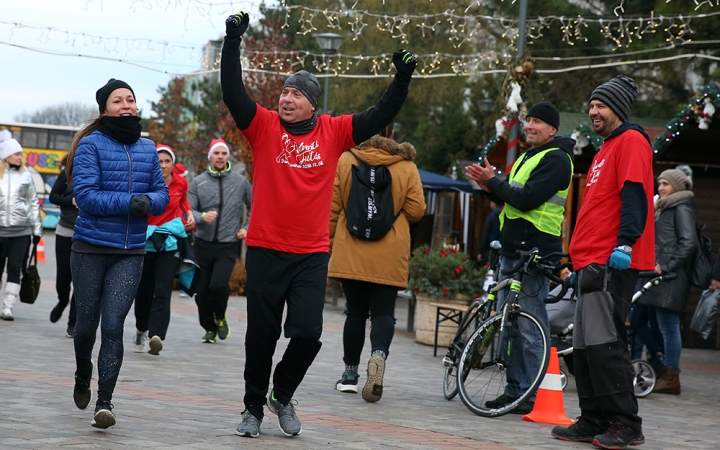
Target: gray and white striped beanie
{"points": [[619, 94]]}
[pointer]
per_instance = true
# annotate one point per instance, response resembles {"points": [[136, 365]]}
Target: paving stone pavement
{"points": [[190, 396]]}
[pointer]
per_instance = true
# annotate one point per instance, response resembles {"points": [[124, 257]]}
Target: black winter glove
{"points": [[237, 24], [405, 63], [140, 205], [36, 240]]}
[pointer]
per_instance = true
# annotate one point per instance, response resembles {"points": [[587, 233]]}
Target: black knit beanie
{"points": [[547, 112], [619, 94], [306, 83], [104, 92]]}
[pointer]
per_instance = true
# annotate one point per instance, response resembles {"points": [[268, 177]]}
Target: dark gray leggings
{"points": [[105, 286]]}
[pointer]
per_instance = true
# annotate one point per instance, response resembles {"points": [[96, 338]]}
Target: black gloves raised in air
{"points": [[140, 205], [405, 63], [237, 24]]}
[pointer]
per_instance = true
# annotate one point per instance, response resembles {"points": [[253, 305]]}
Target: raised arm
{"points": [[368, 123], [241, 106]]}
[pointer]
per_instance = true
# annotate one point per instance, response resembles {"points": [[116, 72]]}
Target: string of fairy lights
{"points": [[461, 29]]}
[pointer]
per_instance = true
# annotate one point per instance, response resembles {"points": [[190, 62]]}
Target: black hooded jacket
{"points": [[552, 174]]}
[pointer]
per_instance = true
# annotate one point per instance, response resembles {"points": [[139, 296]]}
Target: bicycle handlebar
{"points": [[530, 257]]}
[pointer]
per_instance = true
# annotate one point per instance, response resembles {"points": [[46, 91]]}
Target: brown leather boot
{"points": [[669, 383]]}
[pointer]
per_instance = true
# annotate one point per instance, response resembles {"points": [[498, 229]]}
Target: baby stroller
{"points": [[562, 315]]}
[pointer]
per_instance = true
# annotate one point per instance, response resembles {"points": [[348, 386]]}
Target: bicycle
{"points": [[489, 351], [475, 314]]}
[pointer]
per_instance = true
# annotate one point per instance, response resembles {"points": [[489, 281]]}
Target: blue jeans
{"points": [[525, 360], [105, 287], [669, 324]]}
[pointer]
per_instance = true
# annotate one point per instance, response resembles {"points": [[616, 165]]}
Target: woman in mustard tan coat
{"points": [[372, 272]]}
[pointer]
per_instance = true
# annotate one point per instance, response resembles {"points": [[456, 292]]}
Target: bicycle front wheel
{"points": [[497, 362]]}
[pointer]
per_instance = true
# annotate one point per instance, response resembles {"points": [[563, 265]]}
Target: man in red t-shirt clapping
{"points": [[614, 238]]}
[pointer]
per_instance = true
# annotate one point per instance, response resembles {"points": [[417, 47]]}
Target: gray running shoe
{"points": [[140, 342], [288, 421], [250, 426]]}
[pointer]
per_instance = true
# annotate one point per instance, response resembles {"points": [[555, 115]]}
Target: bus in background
{"points": [[43, 147]]}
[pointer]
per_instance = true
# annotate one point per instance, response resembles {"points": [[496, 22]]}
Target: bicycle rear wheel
{"points": [[452, 357], [450, 382], [485, 360]]}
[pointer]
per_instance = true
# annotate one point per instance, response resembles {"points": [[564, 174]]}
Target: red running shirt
{"points": [[178, 205], [293, 178], [626, 157]]}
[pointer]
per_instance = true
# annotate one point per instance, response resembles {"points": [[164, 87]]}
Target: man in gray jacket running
{"points": [[216, 197]]}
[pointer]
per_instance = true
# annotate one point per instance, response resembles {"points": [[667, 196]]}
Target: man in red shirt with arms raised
{"points": [[295, 156], [614, 238]]}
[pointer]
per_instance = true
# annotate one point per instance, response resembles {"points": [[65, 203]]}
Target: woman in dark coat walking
{"points": [[675, 245]]}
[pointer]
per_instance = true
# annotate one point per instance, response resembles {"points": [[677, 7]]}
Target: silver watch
{"points": [[625, 249]]}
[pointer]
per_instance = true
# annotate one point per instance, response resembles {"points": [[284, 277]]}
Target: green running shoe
{"points": [[210, 337]]}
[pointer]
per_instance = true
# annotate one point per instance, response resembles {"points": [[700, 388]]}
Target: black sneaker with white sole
{"points": [[348, 382], [104, 417], [82, 393]]}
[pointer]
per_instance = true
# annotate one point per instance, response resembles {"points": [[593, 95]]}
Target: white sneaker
{"points": [[183, 294], [141, 342], [6, 314]]}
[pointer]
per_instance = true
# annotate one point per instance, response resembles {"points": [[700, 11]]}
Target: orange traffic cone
{"points": [[549, 406], [41, 251]]}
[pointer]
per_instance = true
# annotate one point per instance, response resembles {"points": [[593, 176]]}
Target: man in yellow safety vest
{"points": [[534, 195]]}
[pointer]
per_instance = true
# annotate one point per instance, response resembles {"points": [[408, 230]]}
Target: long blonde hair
{"points": [[70, 155], [4, 164]]}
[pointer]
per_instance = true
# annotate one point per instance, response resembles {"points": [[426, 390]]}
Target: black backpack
{"points": [[701, 271], [369, 211]]}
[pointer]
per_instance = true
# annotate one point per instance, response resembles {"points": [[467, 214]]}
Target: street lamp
{"points": [[329, 44]]}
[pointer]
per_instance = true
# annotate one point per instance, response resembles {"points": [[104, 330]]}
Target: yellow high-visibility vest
{"points": [[547, 217]]}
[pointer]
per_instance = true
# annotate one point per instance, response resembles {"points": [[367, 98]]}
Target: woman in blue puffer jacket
{"points": [[117, 180]]}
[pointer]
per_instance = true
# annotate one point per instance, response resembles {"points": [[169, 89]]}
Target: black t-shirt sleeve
{"points": [[633, 213], [368, 123], [241, 106]]}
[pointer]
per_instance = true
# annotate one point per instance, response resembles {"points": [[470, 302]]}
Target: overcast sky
{"points": [[31, 80]]}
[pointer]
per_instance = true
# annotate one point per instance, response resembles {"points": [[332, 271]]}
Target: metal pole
{"points": [[515, 127], [327, 87]]}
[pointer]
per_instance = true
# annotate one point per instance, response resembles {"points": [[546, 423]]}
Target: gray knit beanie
{"points": [[677, 179], [619, 94], [306, 83]]}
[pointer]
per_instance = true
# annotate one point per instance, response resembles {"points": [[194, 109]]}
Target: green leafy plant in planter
{"points": [[445, 274]]}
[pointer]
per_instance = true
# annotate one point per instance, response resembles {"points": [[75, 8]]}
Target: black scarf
{"points": [[303, 127], [125, 129]]}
